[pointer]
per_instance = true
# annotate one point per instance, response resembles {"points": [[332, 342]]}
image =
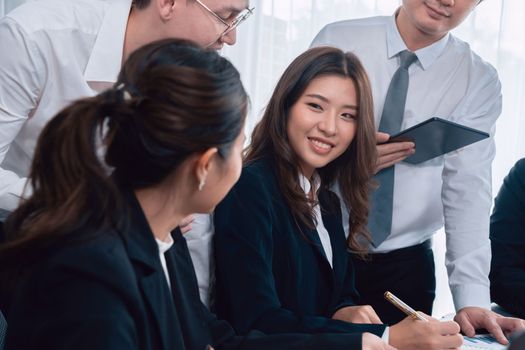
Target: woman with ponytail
{"points": [[94, 258]]}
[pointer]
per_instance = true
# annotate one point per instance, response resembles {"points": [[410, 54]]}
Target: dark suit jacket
{"points": [[507, 235], [108, 291], [269, 275]]}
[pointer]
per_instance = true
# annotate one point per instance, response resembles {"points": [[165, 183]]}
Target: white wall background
{"points": [[281, 29]]}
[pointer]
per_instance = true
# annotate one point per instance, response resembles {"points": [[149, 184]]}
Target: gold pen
{"points": [[403, 307]]}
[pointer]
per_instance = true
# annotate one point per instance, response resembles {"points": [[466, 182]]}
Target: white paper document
{"points": [[479, 341], [482, 341]]}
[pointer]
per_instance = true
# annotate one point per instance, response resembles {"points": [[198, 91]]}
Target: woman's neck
{"points": [[163, 214]]}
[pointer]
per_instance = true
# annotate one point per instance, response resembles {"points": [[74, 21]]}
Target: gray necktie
{"points": [[380, 218]]}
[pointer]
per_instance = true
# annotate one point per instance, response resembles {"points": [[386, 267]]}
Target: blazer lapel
{"points": [[144, 255], [313, 238], [331, 213], [185, 291], [158, 298]]}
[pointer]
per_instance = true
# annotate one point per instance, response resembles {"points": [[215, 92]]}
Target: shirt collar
{"points": [[164, 246], [306, 185], [106, 57], [426, 55]]}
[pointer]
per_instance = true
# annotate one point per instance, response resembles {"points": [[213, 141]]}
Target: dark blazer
{"points": [[108, 291], [271, 276], [507, 235]]}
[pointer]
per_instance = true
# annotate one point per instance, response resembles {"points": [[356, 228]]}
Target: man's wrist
{"points": [[472, 295]]}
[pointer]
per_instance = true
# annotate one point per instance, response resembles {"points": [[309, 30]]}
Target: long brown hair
{"points": [[172, 99], [353, 169]]}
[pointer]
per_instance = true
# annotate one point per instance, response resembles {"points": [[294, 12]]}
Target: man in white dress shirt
{"points": [[56, 51], [450, 81]]}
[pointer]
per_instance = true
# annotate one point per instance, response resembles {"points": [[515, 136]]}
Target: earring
{"points": [[202, 183]]}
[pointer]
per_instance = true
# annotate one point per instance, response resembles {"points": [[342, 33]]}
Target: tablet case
{"points": [[435, 137]]}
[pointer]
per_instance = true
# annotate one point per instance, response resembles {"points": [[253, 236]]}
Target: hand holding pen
{"points": [[420, 331], [400, 304]]}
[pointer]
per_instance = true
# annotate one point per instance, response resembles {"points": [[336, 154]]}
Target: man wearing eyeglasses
{"points": [[56, 51]]}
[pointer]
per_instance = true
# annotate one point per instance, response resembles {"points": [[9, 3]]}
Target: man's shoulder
{"points": [[359, 23], [55, 15], [348, 34], [479, 66], [349, 26]]}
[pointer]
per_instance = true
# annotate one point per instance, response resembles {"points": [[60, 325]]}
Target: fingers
{"points": [[382, 137], [449, 327], [510, 324], [187, 220], [426, 317], [470, 318], [466, 327], [374, 318], [373, 342], [454, 341], [394, 147], [185, 225], [357, 314], [493, 328], [388, 161], [185, 229], [392, 153], [369, 312], [450, 338]]}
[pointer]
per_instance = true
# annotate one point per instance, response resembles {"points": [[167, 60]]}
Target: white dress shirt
{"points": [[452, 82], [200, 245], [53, 52], [324, 236], [164, 246]]}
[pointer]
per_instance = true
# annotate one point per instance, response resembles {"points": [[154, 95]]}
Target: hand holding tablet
{"points": [[435, 137]]}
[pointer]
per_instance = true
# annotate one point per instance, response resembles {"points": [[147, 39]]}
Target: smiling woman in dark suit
{"points": [[95, 261], [282, 263]]}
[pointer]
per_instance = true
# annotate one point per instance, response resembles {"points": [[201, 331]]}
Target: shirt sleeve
{"points": [[321, 39], [467, 196], [22, 76], [199, 240]]}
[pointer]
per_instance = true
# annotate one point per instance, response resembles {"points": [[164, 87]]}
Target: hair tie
{"points": [[126, 95]]}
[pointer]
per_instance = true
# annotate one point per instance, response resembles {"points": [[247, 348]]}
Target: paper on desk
{"points": [[479, 341], [482, 341]]}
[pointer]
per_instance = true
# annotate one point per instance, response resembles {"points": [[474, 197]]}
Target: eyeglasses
{"points": [[241, 17]]}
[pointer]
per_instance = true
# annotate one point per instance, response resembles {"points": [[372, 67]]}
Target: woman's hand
{"points": [[373, 342], [389, 154], [357, 314], [185, 225], [432, 335]]}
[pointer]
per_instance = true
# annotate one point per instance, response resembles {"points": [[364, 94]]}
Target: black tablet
{"points": [[435, 137], [518, 341]]}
